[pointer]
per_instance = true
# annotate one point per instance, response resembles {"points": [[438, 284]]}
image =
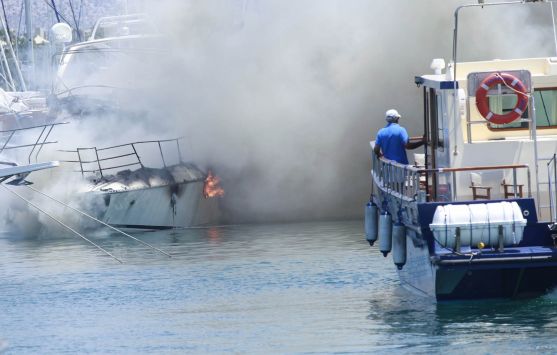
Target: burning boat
{"points": [[131, 185], [161, 191], [476, 216]]}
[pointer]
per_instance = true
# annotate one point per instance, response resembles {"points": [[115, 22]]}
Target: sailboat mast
{"points": [[29, 34]]}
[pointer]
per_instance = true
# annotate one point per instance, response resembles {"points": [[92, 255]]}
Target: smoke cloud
{"points": [[281, 98]]}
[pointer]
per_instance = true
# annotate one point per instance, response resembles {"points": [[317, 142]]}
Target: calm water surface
{"points": [[298, 288]]}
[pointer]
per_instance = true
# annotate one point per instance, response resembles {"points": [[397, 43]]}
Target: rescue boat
{"points": [[475, 216]]}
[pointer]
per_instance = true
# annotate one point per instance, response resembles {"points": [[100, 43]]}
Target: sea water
{"points": [[285, 288]]}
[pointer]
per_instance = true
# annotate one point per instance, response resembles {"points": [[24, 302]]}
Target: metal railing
{"points": [[399, 180], [115, 159], [121, 23], [407, 182], [8, 136]]}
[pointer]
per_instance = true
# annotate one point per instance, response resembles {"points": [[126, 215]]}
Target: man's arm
{"points": [[377, 150], [415, 144]]}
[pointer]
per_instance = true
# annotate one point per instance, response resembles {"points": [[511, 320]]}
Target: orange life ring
{"points": [[482, 103]]}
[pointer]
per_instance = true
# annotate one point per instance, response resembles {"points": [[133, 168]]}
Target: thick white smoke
{"points": [[281, 98]]}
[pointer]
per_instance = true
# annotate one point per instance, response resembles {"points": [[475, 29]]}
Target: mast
{"points": [[11, 51], [29, 34]]}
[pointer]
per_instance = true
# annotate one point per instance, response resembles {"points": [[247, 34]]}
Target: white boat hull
{"points": [[170, 206]]}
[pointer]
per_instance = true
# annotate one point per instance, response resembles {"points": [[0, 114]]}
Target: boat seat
{"points": [[509, 189], [479, 191], [419, 162]]}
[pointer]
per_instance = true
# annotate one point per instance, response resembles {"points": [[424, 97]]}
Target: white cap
{"points": [[392, 115]]}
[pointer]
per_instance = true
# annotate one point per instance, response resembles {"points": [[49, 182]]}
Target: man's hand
{"points": [[377, 151]]}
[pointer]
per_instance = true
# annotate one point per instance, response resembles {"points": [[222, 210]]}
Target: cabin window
{"points": [[546, 109]]}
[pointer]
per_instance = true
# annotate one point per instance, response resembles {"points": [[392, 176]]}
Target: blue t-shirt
{"points": [[392, 140]]}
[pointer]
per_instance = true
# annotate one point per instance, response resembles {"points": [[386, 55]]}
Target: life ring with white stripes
{"points": [[510, 81]]}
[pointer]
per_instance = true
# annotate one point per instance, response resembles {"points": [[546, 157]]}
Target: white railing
{"points": [[399, 180], [408, 183]]}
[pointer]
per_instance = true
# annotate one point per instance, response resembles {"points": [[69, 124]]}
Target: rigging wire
{"points": [[62, 224], [55, 10], [101, 222], [79, 14], [74, 20], [58, 14]]}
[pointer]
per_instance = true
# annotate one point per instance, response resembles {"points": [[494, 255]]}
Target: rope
{"points": [[58, 14], [470, 223], [75, 20], [99, 221], [514, 226], [488, 226], [63, 225], [446, 226], [510, 87]]}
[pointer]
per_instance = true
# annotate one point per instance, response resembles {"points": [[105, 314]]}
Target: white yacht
{"points": [[476, 216], [147, 185]]}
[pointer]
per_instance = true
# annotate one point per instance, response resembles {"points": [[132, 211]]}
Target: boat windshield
{"points": [[122, 26]]}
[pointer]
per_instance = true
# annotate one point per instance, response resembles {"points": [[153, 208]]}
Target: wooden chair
{"points": [[479, 191], [509, 189]]}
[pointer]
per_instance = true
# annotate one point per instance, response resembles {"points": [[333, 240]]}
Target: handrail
{"points": [[36, 145], [123, 145], [31, 127], [99, 160], [121, 19], [450, 170], [403, 181], [474, 168]]}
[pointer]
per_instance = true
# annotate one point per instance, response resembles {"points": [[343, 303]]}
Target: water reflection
{"points": [[214, 235], [406, 321]]}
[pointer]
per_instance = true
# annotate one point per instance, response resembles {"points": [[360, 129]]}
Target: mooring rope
{"points": [[62, 224], [101, 222]]}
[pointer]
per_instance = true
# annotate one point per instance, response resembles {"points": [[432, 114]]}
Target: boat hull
{"points": [[526, 269], [511, 281], [528, 272], [178, 205], [419, 274]]}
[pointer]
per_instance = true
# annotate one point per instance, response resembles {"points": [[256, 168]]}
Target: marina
{"points": [[188, 177]]}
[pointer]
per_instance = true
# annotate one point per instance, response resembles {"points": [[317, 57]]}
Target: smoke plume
{"points": [[281, 98]]}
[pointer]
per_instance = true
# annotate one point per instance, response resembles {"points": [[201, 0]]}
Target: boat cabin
{"points": [[510, 153], [475, 216]]}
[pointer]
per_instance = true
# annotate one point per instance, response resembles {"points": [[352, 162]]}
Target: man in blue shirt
{"points": [[392, 140]]}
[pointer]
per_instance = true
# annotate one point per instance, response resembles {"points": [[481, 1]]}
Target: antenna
{"points": [[554, 29]]}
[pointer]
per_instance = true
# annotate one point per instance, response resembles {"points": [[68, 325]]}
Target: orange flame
{"points": [[212, 188]]}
